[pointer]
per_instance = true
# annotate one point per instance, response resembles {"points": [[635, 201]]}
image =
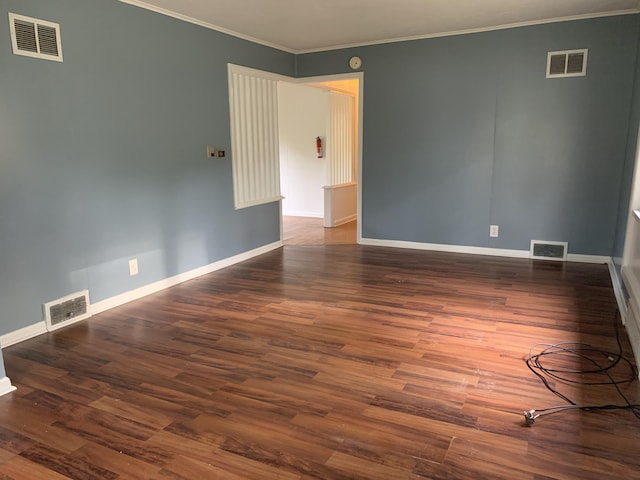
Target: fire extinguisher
{"points": [[319, 146]]}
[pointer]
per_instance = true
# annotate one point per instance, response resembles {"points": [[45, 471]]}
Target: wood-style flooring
{"points": [[325, 362], [310, 231]]}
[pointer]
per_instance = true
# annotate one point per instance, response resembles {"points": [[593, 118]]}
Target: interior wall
{"points": [[465, 131], [103, 156], [303, 114], [627, 173]]}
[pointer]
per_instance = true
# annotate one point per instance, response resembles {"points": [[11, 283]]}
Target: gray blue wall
{"points": [[462, 132], [103, 155]]}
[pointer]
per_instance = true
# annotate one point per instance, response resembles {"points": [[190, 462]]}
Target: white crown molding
{"points": [[211, 26], [474, 30], [195, 21]]}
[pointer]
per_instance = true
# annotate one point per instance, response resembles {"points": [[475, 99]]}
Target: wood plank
{"points": [[326, 362]]}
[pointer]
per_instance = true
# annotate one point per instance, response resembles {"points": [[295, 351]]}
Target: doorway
{"points": [[250, 185], [323, 190]]}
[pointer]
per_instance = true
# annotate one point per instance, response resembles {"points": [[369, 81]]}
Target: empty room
{"points": [[158, 322]]}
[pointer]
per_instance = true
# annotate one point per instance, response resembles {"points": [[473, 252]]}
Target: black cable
{"points": [[582, 351]]}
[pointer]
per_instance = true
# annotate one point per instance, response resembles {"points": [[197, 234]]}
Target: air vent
{"points": [[547, 250], [567, 63], [35, 38], [67, 310]]}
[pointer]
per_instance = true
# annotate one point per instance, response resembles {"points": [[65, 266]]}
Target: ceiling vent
{"points": [[547, 250], [35, 38], [67, 310], [567, 63]]}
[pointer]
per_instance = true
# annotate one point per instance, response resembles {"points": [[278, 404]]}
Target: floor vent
{"points": [[547, 250], [67, 310]]}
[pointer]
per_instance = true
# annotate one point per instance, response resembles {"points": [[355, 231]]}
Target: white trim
{"points": [[211, 26], [633, 329], [303, 214], [576, 257], [242, 36], [138, 293], [494, 252], [5, 386], [23, 334], [437, 247], [39, 328], [616, 281], [566, 53], [342, 221], [474, 30], [336, 187]]}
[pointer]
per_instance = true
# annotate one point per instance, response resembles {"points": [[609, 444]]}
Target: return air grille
{"points": [[567, 63], [35, 38], [547, 250], [67, 310]]}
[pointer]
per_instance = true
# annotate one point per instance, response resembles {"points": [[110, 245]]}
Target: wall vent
{"points": [[67, 310], [35, 38], [548, 250], [567, 63]]}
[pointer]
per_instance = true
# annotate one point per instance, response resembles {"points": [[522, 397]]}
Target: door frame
{"points": [[360, 114]]}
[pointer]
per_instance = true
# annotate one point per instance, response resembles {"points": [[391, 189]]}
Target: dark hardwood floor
{"points": [[325, 362]]}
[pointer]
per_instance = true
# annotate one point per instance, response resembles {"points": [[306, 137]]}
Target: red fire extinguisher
{"points": [[319, 146]]}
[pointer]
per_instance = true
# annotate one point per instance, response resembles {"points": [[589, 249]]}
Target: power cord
{"points": [[564, 351]]}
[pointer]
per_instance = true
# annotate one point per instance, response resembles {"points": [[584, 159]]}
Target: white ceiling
{"points": [[312, 25]]}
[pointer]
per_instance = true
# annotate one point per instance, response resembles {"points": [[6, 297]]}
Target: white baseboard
{"points": [[303, 214], [495, 252], [437, 247], [616, 281], [138, 293], [23, 334], [342, 221], [39, 328], [574, 257], [5, 386], [633, 329]]}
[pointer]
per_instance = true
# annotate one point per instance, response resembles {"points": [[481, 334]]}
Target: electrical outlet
{"points": [[494, 231], [133, 267], [211, 151]]}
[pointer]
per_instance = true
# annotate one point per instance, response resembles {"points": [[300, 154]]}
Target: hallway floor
{"points": [[310, 231]]}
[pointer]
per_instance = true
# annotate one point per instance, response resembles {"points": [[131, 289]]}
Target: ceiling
{"points": [[300, 26]]}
